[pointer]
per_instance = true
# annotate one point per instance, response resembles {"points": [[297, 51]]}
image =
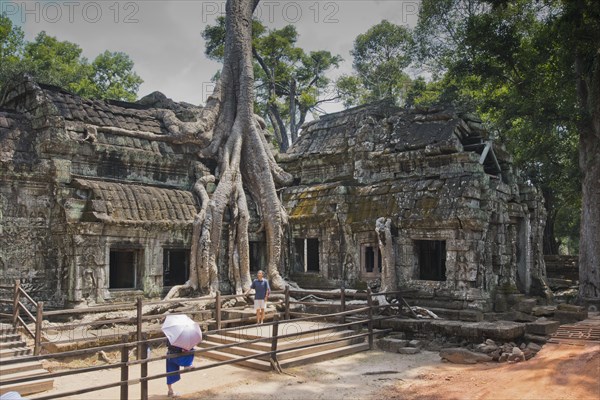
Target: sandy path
{"points": [[559, 371]]}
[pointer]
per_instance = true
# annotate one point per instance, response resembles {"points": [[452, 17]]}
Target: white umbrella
{"points": [[182, 331]]}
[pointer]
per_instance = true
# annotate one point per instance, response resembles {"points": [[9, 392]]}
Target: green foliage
{"points": [[289, 80], [113, 77], [54, 62], [12, 43], [508, 61], [380, 57], [60, 63]]}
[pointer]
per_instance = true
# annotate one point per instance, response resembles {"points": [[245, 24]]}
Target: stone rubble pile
{"points": [[508, 352], [464, 353]]}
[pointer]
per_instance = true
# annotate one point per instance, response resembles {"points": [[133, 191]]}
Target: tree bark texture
{"points": [[229, 131], [587, 70]]}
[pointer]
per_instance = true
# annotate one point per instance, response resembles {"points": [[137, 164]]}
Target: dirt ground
{"points": [[559, 371]]}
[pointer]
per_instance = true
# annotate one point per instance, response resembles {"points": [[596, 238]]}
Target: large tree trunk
{"points": [[551, 245], [587, 69], [245, 161]]}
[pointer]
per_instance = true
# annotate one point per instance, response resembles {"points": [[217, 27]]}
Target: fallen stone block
{"points": [[543, 311], [392, 345], [459, 355], [534, 347], [502, 330], [516, 356], [526, 305], [570, 307], [542, 327], [567, 317], [535, 338], [409, 350], [520, 316]]}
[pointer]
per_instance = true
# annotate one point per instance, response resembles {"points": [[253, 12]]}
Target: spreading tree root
{"points": [[229, 130]]}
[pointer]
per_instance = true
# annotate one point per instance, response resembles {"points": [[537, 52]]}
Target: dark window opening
{"points": [[176, 263], [123, 269], [258, 254], [372, 259], [307, 255], [312, 255], [432, 259]]}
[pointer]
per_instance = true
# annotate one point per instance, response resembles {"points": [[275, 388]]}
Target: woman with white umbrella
{"points": [[183, 334]]}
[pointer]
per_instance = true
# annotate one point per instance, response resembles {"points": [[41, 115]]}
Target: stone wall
{"points": [[81, 177], [428, 173]]}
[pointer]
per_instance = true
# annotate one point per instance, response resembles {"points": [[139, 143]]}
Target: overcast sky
{"points": [[163, 37]]}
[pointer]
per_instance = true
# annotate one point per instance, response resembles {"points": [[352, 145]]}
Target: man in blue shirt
{"points": [[262, 292]]}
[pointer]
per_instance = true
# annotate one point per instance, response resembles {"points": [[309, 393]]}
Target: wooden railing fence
{"points": [[138, 339]]}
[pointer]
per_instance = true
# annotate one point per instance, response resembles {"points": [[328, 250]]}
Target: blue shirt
{"points": [[262, 288]]}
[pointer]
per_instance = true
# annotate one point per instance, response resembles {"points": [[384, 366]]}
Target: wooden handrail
{"points": [[27, 296], [24, 325], [124, 381], [29, 314], [90, 310]]}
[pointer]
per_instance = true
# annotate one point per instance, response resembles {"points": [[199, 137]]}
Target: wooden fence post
{"points": [[218, 309], [124, 368], [144, 368], [343, 304], [16, 302], [274, 341], [370, 303], [287, 302], [39, 317], [139, 328]]}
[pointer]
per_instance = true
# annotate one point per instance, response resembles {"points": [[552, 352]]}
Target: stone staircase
{"points": [[320, 351], [12, 346]]}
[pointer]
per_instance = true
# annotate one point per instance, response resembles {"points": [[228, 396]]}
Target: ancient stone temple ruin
{"points": [[465, 230], [96, 206]]}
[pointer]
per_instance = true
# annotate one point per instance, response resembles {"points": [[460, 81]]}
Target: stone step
{"points": [[18, 367], [27, 388], [15, 352], [8, 330], [252, 363], [542, 327], [282, 343], [13, 344], [251, 332], [324, 355], [457, 315], [291, 362], [9, 337], [316, 348]]}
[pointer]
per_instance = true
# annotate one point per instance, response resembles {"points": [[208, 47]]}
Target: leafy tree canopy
{"points": [[381, 56], [60, 63], [290, 81], [507, 61]]}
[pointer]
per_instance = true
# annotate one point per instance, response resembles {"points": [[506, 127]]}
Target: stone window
{"points": [[258, 256], [307, 254], [431, 259], [124, 269], [370, 260], [176, 264]]}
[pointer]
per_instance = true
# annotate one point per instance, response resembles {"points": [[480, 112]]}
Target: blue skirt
{"points": [[173, 365]]}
